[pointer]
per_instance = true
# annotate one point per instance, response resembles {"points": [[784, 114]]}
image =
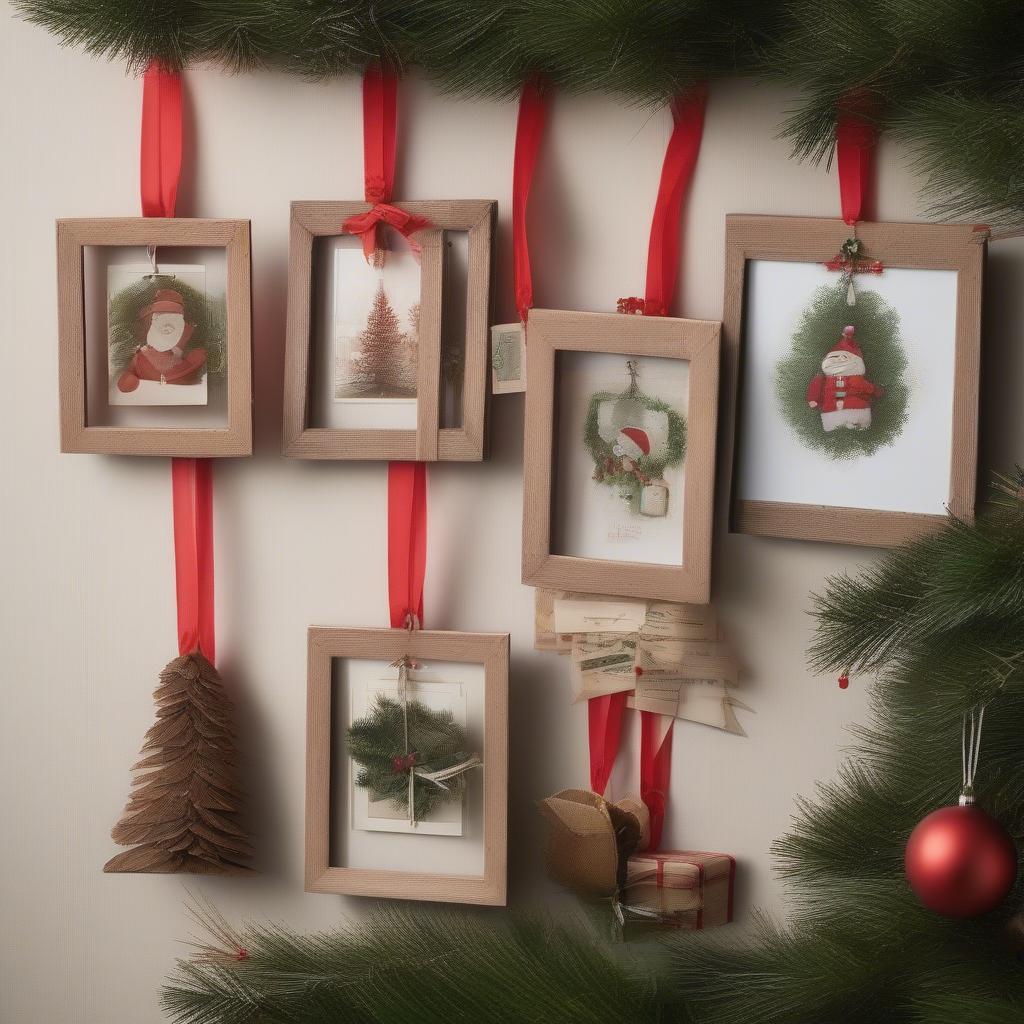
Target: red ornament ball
{"points": [[960, 862]]}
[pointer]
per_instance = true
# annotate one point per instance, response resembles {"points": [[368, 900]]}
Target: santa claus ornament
{"points": [[842, 388], [960, 861], [841, 392], [633, 438]]}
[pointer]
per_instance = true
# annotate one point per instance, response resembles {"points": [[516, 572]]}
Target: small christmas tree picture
{"points": [[381, 360]]}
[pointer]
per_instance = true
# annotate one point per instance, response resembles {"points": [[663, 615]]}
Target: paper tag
{"points": [[596, 616], [680, 621], [508, 359], [707, 702]]}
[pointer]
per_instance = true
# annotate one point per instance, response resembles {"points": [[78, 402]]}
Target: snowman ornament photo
{"points": [[842, 392]]}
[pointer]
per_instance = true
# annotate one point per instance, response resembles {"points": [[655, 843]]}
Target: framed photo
{"points": [[853, 368], [154, 325], [407, 764], [389, 359], [619, 454]]}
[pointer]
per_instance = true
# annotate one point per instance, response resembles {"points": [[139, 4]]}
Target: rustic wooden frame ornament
{"points": [[697, 341], [959, 247], [488, 649], [76, 435], [429, 442]]}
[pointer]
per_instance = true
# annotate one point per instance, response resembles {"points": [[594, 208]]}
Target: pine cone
{"points": [[182, 815]]}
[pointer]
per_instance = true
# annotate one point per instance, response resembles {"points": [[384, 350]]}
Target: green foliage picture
{"points": [[842, 388]]}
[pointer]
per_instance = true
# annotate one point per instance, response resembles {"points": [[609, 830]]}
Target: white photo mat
{"points": [[910, 475], [416, 850], [590, 519]]}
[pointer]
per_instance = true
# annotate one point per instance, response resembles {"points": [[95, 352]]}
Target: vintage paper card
{"points": [[705, 701], [379, 815], [700, 659], [508, 359], [572, 615], [680, 621], [163, 334]]}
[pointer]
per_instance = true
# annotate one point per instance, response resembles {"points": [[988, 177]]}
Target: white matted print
{"points": [[375, 338], [620, 457], [370, 815], [161, 332], [457, 851], [847, 405]]}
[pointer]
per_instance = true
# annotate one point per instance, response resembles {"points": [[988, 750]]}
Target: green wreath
{"points": [[208, 315], [877, 327], [607, 461], [395, 739]]}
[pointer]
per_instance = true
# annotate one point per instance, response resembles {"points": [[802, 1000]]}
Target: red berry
{"points": [[844, 682]]}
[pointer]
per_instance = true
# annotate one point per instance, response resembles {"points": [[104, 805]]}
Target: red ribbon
{"points": [[855, 143], [380, 140], [676, 172], [192, 487], [407, 542], [191, 479], [529, 129], [605, 726], [160, 157], [655, 770]]}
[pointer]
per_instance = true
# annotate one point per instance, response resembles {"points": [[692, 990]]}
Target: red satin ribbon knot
{"points": [[365, 225], [529, 130], [855, 143], [380, 143], [407, 542]]}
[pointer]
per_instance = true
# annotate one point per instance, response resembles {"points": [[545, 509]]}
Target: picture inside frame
{"points": [[155, 336], [620, 457], [366, 333], [847, 403], [372, 828]]}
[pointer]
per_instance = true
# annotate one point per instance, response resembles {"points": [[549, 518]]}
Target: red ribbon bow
{"points": [[365, 225]]}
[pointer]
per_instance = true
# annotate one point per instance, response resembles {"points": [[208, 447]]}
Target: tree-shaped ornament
{"points": [[183, 813], [408, 754], [633, 438], [386, 363]]}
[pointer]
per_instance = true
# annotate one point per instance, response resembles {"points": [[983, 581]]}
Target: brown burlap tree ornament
{"points": [[182, 815]]}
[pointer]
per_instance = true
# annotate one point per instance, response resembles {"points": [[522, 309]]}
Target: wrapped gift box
{"points": [[693, 888]]}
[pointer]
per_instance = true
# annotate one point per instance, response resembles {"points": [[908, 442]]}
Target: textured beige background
{"points": [[87, 613]]}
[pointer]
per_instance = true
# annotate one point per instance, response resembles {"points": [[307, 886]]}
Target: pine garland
{"points": [[943, 75]]}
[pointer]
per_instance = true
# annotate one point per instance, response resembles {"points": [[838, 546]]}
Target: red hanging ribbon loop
{"points": [[407, 542], [676, 171], [160, 156], [529, 130], [855, 142], [380, 140], [605, 727], [192, 488], [655, 769], [191, 479]]}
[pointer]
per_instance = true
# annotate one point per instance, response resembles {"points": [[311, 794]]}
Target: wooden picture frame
{"points": [[959, 248], [430, 441], [491, 650], [551, 332], [77, 435]]}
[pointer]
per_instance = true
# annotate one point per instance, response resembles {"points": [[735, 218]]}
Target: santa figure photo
{"points": [[842, 392], [164, 369]]}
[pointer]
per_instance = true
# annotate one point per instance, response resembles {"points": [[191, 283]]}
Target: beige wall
{"points": [[87, 613]]}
